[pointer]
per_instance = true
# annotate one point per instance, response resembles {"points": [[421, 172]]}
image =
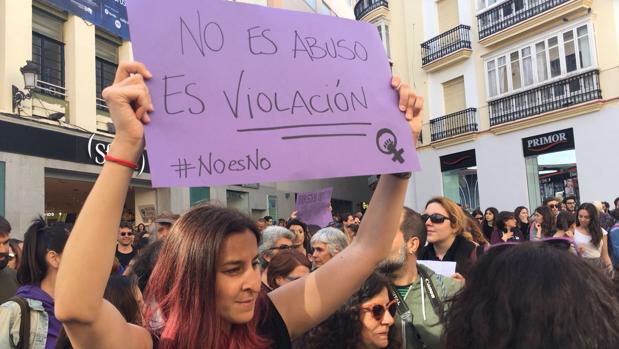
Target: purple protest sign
{"points": [[247, 94], [313, 207]]}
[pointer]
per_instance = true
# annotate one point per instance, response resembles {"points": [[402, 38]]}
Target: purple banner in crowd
{"points": [[247, 94], [313, 207]]}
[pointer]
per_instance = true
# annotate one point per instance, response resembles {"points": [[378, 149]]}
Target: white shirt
{"points": [[584, 241]]}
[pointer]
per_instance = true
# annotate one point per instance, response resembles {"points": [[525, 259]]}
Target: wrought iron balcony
{"points": [[454, 124], [445, 44], [511, 13], [363, 7], [560, 94]]}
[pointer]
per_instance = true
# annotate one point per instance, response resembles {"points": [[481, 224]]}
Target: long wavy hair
{"points": [[486, 228], [532, 305], [343, 329], [181, 289], [594, 227], [548, 222]]}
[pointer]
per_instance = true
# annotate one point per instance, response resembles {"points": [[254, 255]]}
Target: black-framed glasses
{"points": [[553, 205], [123, 234], [435, 218], [378, 310], [285, 247]]}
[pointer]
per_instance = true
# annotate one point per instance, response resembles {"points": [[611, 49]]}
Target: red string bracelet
{"points": [[131, 165]]}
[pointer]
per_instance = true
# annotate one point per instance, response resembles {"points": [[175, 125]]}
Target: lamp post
{"points": [[31, 74]]}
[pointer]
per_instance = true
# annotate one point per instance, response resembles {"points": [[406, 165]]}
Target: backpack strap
{"points": [[411, 336], [24, 325]]}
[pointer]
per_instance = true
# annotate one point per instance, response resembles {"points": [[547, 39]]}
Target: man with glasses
{"points": [[8, 279], [422, 291], [570, 204], [124, 248]]}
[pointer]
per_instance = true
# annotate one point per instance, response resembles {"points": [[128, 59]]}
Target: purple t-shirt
{"points": [[54, 326]]}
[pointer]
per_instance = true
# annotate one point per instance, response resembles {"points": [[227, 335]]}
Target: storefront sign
{"points": [[548, 142], [147, 212], [110, 15], [28, 139], [250, 94], [98, 149], [459, 160]]}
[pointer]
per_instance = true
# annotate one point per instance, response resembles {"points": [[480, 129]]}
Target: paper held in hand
{"points": [[246, 94]]}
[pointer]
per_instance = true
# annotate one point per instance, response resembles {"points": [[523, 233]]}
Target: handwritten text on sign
{"points": [[313, 207], [247, 94]]}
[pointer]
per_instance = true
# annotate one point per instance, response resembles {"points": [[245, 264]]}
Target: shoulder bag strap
{"points": [[407, 317], [437, 304], [24, 325]]}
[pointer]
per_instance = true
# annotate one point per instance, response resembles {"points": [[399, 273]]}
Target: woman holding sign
{"points": [[205, 288]]}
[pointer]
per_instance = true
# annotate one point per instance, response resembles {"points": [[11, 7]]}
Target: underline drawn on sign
{"points": [[304, 125], [325, 135]]}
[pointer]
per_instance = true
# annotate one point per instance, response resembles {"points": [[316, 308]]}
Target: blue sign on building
{"points": [[110, 15]]}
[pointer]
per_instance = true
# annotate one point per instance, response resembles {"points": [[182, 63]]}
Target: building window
{"points": [[48, 52], [459, 174], [454, 96], [273, 206], [106, 61], [383, 32], [554, 58], [199, 196], [311, 3]]}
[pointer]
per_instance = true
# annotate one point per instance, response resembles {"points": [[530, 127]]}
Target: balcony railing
{"points": [[50, 89], [101, 105], [363, 7], [454, 124], [511, 13], [556, 95], [446, 43]]}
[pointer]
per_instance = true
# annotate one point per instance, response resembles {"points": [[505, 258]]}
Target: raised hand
{"points": [[410, 103], [129, 102]]}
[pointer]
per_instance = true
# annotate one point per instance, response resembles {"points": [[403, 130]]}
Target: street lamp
{"points": [[31, 74]]}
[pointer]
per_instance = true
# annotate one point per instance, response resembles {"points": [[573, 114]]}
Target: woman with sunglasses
{"points": [[445, 222], [365, 321], [522, 220], [204, 291], [287, 266], [506, 229], [533, 295], [592, 240], [489, 224]]}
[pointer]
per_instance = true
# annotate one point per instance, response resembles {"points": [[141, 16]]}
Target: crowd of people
{"points": [[216, 278]]}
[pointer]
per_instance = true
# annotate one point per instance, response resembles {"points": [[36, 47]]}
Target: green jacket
{"points": [[426, 321]]}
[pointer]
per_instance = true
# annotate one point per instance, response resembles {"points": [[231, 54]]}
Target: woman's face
{"points": [[584, 218], [237, 282], [489, 216], [297, 273], [375, 333], [438, 231], [539, 219], [510, 222], [524, 216]]}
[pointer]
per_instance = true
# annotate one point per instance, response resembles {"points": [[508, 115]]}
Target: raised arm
{"points": [[306, 302], [90, 321]]}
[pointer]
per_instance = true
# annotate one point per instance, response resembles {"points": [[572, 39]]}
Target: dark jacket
{"points": [[497, 235], [462, 251]]}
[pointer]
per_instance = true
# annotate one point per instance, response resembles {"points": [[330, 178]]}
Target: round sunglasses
{"points": [[378, 310], [435, 218]]}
